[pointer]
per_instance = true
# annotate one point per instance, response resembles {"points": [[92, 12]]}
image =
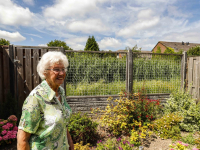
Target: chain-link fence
{"points": [[157, 73], [105, 73], [95, 74]]}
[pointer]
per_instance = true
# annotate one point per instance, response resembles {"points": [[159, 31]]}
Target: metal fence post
{"points": [[183, 70], [129, 72]]}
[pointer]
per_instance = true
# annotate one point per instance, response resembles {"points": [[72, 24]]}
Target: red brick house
{"points": [[177, 46]]}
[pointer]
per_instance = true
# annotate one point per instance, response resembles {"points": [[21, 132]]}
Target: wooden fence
{"points": [[18, 74], [4, 73], [193, 76]]}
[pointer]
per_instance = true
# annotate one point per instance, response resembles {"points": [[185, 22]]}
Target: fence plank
{"points": [[12, 70], [190, 70], [6, 73], [43, 51], [20, 78], [1, 75], [28, 70], [35, 62]]}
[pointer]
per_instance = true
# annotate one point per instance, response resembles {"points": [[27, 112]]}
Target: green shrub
{"points": [[121, 115], [183, 103], [82, 128], [168, 126], [115, 144], [194, 51], [188, 139]]}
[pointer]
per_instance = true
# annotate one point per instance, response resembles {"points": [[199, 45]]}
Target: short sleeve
{"points": [[31, 115]]}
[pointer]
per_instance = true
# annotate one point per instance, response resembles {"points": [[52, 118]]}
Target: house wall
{"points": [[162, 47]]}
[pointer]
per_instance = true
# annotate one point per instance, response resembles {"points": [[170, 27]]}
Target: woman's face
{"points": [[54, 78]]}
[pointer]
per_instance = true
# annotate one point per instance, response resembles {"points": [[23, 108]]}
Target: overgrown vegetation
{"points": [[93, 70], [182, 102], [194, 51]]}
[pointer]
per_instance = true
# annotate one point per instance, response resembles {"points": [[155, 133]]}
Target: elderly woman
{"points": [[45, 113]]}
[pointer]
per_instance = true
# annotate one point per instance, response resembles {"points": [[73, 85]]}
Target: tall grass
{"points": [[92, 74], [113, 88]]}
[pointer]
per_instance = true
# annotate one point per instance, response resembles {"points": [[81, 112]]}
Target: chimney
{"points": [[182, 43]]}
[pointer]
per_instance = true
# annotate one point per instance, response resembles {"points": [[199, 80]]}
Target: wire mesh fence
{"points": [[157, 73], [94, 74]]}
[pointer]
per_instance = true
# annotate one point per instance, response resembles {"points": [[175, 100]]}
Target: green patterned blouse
{"points": [[46, 118]]}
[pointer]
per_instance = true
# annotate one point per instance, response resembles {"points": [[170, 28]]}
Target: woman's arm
{"points": [[22, 140], [71, 144]]}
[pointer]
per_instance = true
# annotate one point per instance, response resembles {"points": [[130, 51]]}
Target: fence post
{"points": [[183, 70], [64, 83], [129, 72]]}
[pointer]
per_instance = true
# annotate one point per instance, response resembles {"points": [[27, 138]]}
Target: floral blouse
{"points": [[46, 118]]}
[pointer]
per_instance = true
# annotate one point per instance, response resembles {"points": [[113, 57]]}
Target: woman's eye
{"points": [[57, 70]]}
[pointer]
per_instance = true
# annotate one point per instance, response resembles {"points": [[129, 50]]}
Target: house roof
{"points": [[185, 46]]}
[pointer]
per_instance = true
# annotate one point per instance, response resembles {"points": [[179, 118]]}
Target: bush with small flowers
{"points": [[168, 126], [183, 103], [121, 114], [115, 144], [8, 130], [80, 146]]}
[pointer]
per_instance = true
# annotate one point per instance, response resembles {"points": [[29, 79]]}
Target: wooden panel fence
{"points": [[18, 70], [4, 73], [193, 69]]}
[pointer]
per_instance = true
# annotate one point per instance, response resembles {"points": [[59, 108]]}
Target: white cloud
{"points": [[32, 39], [187, 36], [77, 43], [139, 25], [147, 13], [42, 45], [70, 8], [87, 26], [29, 2], [34, 35], [12, 37], [175, 12], [12, 14], [109, 42]]}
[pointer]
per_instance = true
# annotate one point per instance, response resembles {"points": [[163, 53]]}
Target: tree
{"points": [[91, 44], [4, 42], [194, 51], [134, 49], [58, 43]]}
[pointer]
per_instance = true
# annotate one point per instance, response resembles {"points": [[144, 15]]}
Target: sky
{"points": [[115, 24]]}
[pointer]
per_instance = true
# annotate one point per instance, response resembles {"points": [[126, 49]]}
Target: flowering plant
{"points": [[121, 115], [8, 130], [115, 144], [179, 146]]}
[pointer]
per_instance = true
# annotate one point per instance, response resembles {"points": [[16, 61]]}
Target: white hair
{"points": [[49, 59]]}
